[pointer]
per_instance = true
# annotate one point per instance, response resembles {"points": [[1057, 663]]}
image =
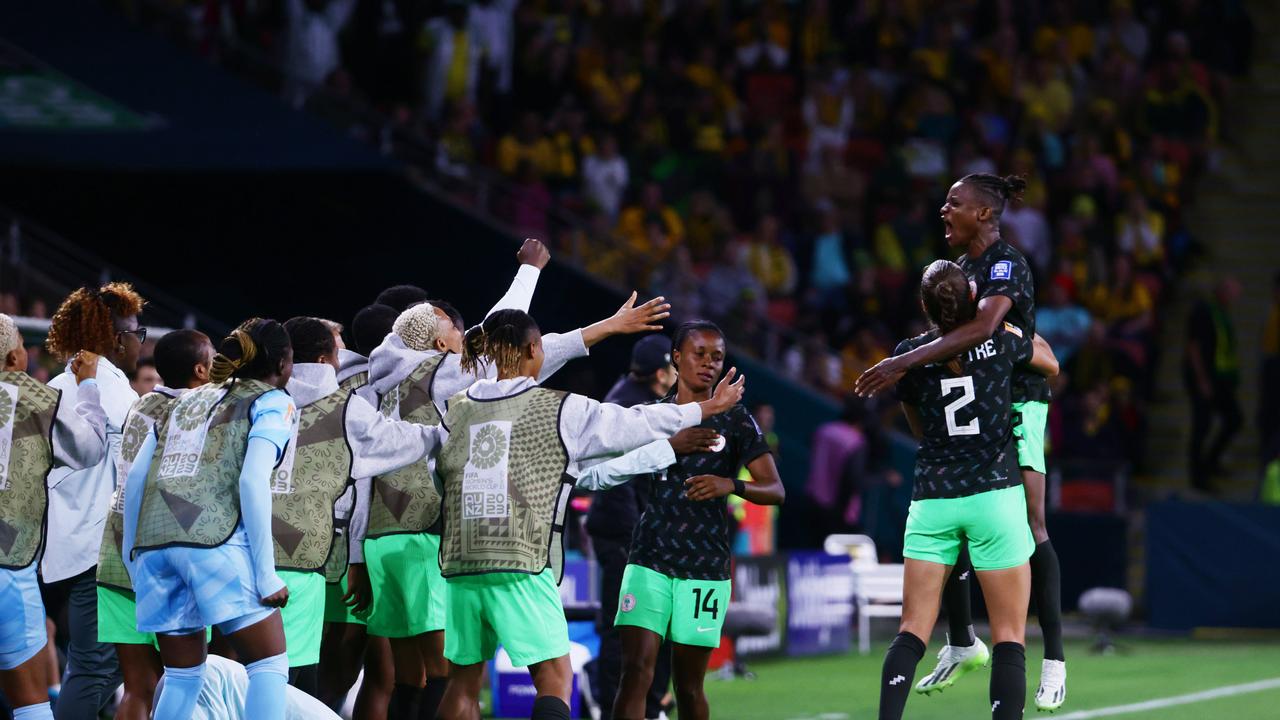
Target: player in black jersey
{"points": [[967, 490], [677, 578], [1005, 292]]}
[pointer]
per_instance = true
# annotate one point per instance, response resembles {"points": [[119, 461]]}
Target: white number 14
{"points": [[965, 384]]}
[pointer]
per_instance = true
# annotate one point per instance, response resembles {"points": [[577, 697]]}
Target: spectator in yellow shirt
{"points": [[634, 221], [527, 144], [770, 261]]}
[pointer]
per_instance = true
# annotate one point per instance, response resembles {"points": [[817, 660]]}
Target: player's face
{"points": [[960, 215], [700, 360]]}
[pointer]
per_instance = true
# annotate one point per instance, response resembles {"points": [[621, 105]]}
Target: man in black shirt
{"points": [[677, 582], [611, 521]]}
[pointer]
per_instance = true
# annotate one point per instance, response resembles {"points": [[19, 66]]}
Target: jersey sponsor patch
{"points": [[1013, 329], [1001, 270]]}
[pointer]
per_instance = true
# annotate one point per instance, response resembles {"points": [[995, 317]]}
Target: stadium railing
{"points": [[36, 262]]}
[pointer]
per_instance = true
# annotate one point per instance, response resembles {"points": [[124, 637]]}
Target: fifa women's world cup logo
{"points": [[484, 479], [488, 447]]}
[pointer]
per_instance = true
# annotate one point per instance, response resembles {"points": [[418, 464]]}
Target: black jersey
{"points": [[1002, 270], [684, 539], [967, 444]]}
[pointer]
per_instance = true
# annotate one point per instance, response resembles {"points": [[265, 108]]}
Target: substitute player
{"points": [[183, 358], [1005, 291], [510, 445], [967, 489], [676, 583], [197, 525], [40, 427]]}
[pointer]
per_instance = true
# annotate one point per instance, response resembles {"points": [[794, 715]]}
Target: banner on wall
{"points": [[819, 603], [761, 581]]}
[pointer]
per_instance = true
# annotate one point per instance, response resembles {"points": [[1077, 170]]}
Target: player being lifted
{"points": [[967, 490], [1005, 291]]}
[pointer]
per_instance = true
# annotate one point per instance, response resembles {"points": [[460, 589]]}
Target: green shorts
{"points": [[118, 619], [336, 611], [1029, 433], [690, 612], [408, 590], [994, 523], [303, 616], [523, 612]]}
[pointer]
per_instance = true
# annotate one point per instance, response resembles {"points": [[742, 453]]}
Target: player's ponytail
{"points": [[255, 350], [500, 340], [944, 292]]}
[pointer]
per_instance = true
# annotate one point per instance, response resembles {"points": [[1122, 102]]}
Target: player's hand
{"points": [[727, 394], [707, 487], [880, 377], [84, 366], [693, 440], [631, 319], [534, 253], [277, 599], [359, 590]]}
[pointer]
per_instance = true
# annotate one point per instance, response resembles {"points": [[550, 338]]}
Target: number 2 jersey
{"points": [[966, 419]]}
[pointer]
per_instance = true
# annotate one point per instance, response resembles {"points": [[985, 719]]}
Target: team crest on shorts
{"points": [[628, 602]]}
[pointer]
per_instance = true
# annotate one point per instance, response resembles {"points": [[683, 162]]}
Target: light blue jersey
{"points": [[180, 590]]}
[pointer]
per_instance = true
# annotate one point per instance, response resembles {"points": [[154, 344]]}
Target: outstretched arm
{"points": [[887, 372], [628, 320], [654, 457], [533, 256]]}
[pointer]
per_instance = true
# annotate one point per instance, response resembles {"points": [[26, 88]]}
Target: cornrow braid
{"points": [[86, 319], [997, 190], [500, 340]]}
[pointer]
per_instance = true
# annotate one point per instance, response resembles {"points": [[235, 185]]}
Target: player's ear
{"points": [[984, 214]]}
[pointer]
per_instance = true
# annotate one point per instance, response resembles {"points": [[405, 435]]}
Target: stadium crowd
{"points": [[776, 166]]}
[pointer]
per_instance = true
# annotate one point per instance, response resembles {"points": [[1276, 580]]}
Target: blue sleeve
{"points": [[135, 486], [271, 418], [255, 512]]}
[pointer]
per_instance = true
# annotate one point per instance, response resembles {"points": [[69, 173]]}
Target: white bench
{"points": [[877, 588]]}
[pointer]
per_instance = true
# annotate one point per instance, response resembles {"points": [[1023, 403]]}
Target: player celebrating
{"points": [[39, 427], [197, 524], [677, 578], [183, 358], [503, 467], [1005, 291], [967, 488]]}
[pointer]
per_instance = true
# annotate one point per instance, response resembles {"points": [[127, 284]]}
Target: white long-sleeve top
{"points": [[379, 444], [594, 431], [654, 457], [391, 362], [79, 499]]}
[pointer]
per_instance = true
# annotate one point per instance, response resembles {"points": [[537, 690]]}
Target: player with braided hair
{"points": [[1006, 292], [197, 524], [967, 489], [102, 320], [504, 468]]}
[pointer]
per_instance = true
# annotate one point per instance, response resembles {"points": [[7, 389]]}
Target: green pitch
{"points": [[847, 687]]}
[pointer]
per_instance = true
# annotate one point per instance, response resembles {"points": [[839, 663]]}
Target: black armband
{"points": [[739, 487]]}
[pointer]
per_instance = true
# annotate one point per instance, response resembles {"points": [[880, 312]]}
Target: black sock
{"points": [[955, 598], [1046, 588], [549, 707], [899, 674], [1008, 681], [431, 697], [405, 700]]}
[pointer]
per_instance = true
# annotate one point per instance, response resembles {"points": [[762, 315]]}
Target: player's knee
{"points": [[638, 668], [437, 667], [690, 694]]}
